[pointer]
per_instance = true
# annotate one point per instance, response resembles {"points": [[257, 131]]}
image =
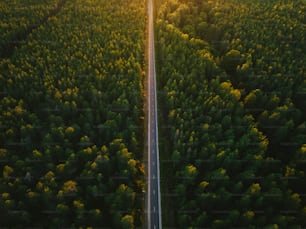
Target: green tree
{"points": [[231, 61]]}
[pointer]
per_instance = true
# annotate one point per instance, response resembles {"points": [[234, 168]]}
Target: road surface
{"points": [[154, 205]]}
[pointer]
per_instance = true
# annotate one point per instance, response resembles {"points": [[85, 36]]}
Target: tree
{"points": [[127, 221], [231, 60]]}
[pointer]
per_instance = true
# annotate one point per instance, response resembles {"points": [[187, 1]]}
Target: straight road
{"points": [[154, 205]]}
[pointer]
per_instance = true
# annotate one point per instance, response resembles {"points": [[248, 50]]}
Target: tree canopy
{"points": [[232, 76]]}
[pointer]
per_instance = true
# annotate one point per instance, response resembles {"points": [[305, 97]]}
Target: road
{"points": [[154, 203]]}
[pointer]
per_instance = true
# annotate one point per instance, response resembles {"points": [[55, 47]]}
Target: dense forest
{"points": [[232, 83], [18, 18], [231, 80], [71, 113]]}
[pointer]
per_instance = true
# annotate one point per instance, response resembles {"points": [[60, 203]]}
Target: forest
{"points": [[71, 113], [232, 83], [231, 80]]}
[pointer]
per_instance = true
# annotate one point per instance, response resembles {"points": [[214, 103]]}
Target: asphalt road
{"points": [[154, 203]]}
